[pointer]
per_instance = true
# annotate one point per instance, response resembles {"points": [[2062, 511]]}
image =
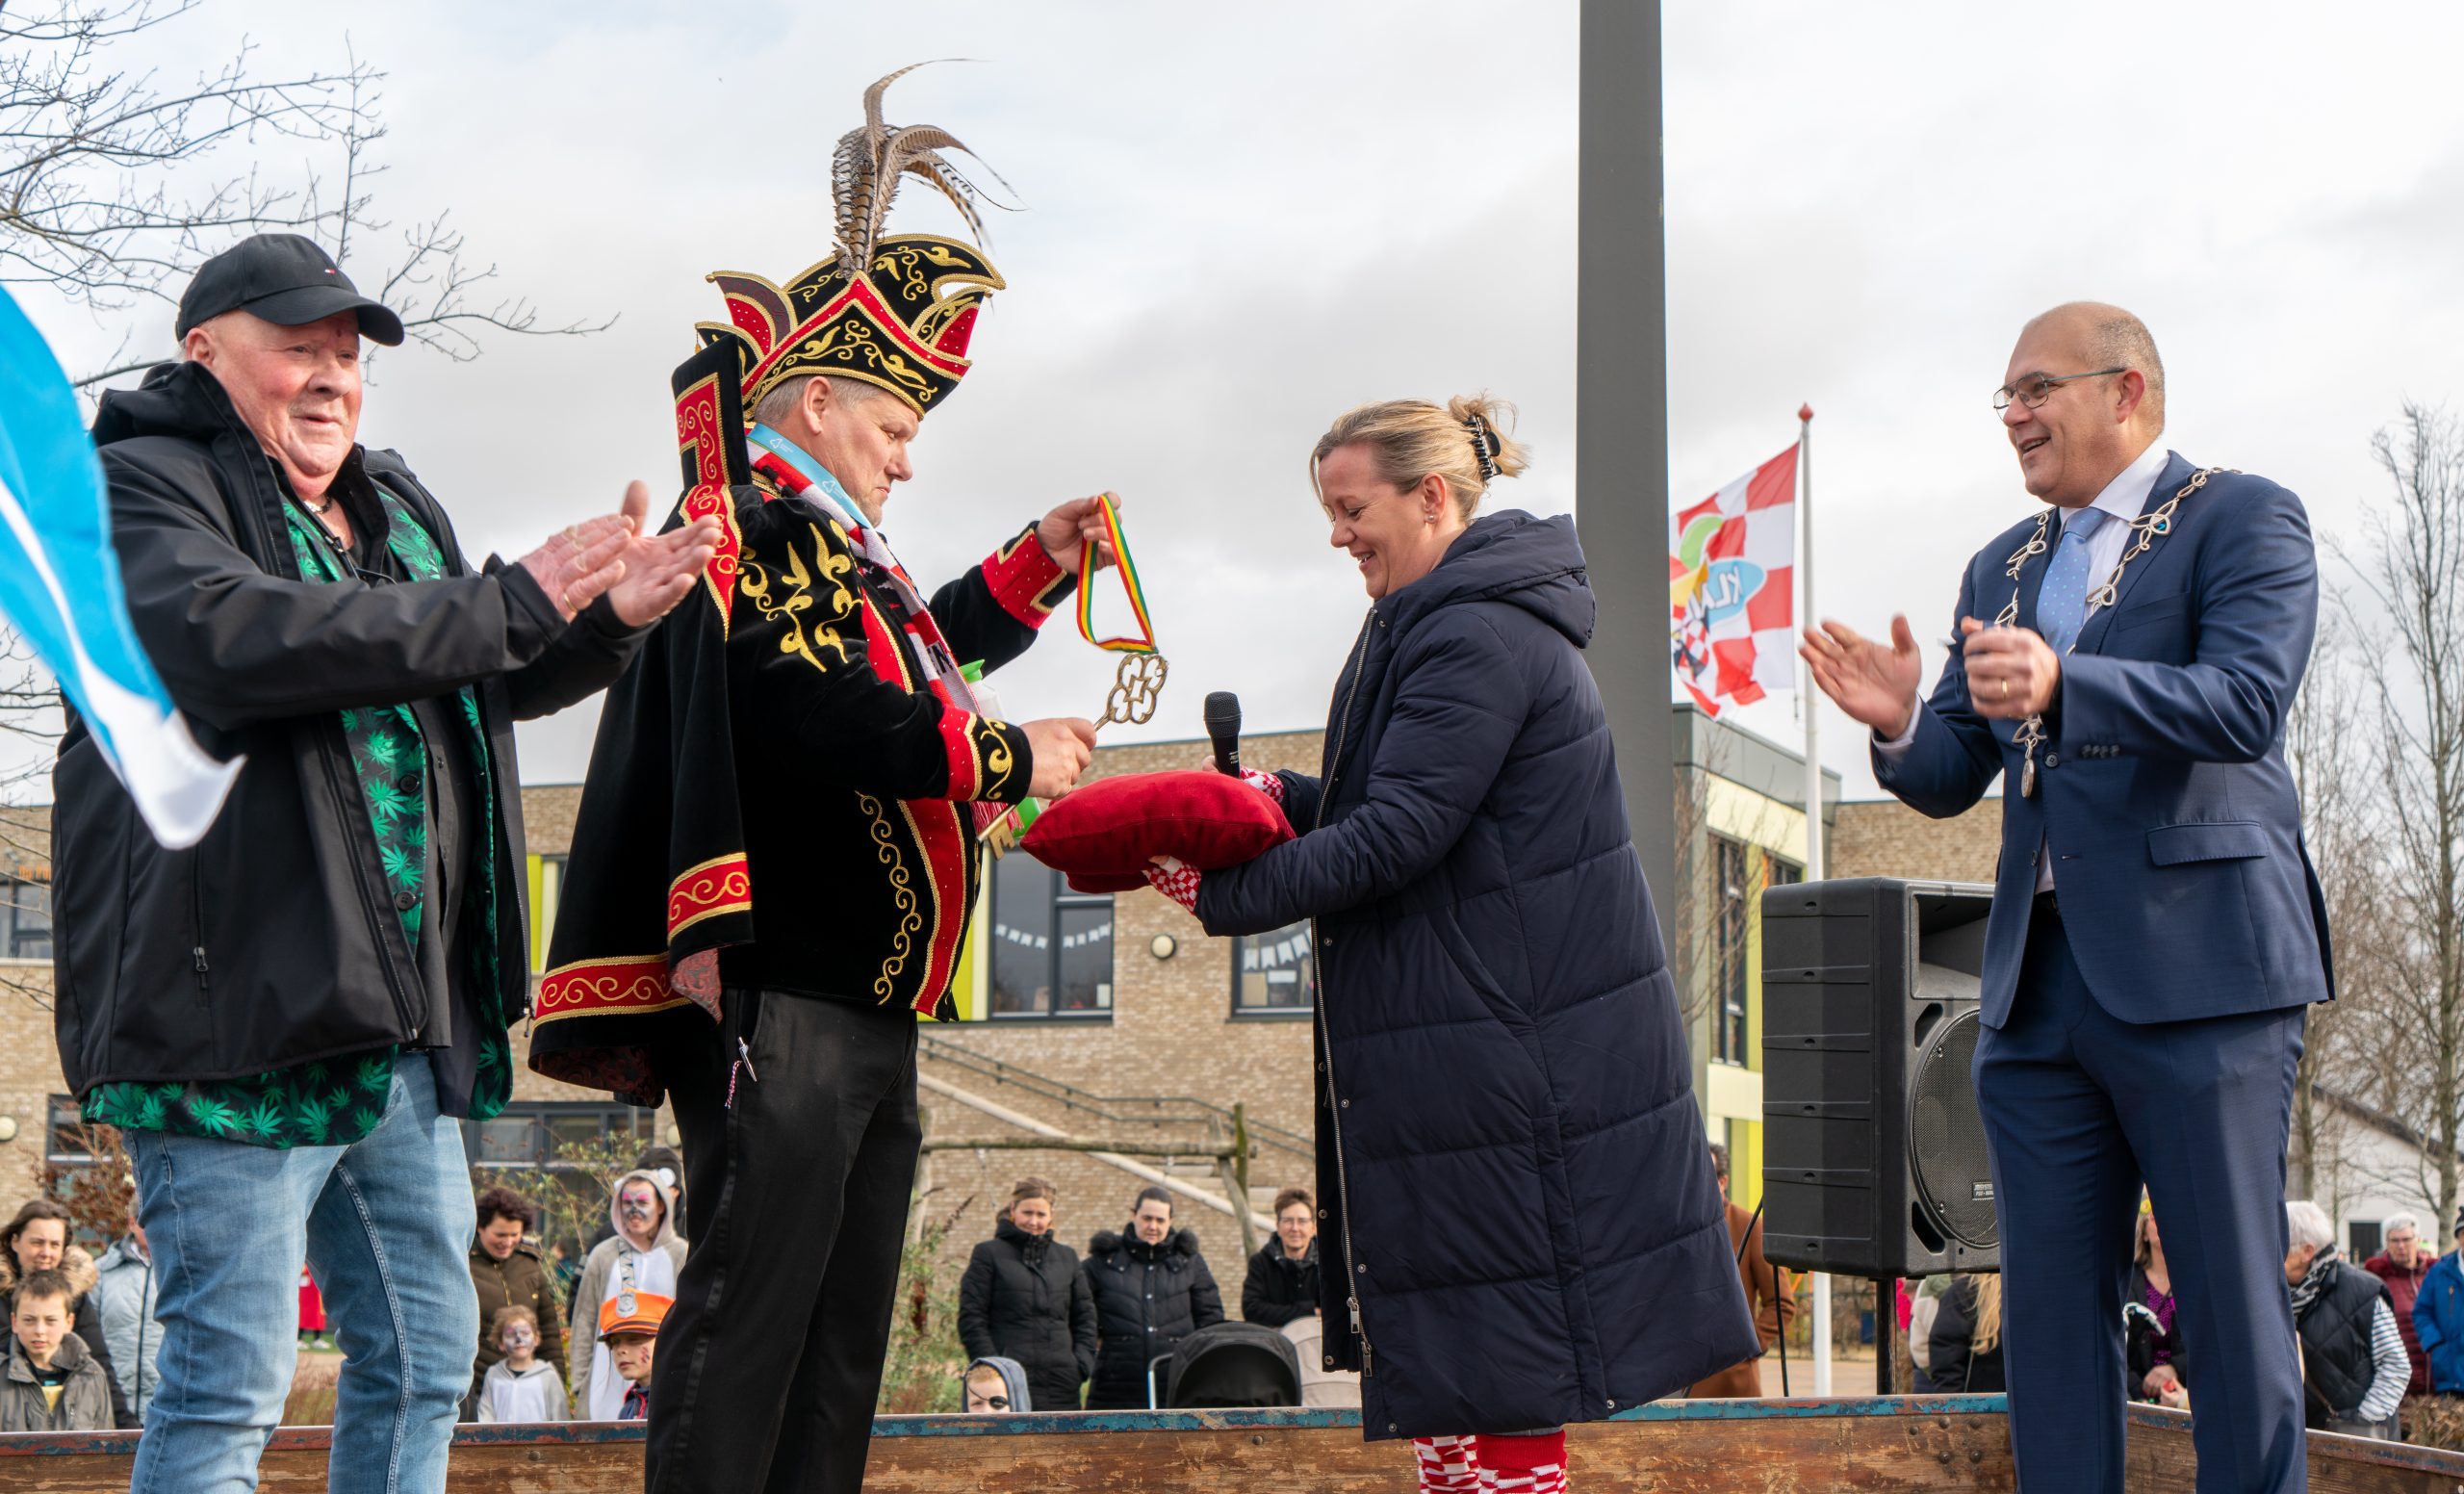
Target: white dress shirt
{"points": [[2123, 499]]}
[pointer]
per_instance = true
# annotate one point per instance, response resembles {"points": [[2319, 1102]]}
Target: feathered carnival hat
{"points": [[896, 312]]}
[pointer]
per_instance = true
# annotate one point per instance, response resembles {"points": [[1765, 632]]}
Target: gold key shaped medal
{"points": [[1135, 689]]}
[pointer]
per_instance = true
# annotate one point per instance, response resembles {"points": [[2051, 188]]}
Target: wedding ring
{"points": [[2006, 689]]}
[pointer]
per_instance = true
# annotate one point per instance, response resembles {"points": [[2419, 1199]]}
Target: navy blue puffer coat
{"points": [[1523, 1227]]}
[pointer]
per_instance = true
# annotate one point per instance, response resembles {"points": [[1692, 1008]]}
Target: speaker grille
{"points": [[1946, 1136]]}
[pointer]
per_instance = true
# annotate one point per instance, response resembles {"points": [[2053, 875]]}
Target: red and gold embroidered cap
{"points": [[633, 1312], [896, 312]]}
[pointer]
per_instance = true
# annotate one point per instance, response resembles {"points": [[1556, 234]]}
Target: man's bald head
{"points": [[2109, 337], [2089, 398]]}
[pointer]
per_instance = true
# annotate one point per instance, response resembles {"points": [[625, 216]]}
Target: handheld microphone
{"points": [[1223, 725]]}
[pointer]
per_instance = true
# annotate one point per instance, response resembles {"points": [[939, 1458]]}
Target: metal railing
{"points": [[1117, 1109]]}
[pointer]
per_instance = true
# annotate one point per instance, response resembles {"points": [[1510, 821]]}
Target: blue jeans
{"points": [[385, 1222]]}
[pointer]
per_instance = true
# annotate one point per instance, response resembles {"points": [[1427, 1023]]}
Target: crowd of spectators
{"points": [[1045, 1328]]}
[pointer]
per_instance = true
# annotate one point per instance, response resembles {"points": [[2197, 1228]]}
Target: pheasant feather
{"points": [[866, 167]]}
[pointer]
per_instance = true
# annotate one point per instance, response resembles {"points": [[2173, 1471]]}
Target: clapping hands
{"points": [[643, 575]]}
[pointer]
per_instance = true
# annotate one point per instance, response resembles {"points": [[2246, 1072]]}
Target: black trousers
{"points": [[770, 1363]]}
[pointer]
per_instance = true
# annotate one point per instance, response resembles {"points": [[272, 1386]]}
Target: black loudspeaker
{"points": [[1873, 1154]]}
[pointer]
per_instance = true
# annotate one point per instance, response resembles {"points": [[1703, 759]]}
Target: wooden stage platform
{"points": [[1869, 1445]]}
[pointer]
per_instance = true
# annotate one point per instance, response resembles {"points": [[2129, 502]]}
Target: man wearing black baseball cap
{"points": [[284, 279], [291, 1019]]}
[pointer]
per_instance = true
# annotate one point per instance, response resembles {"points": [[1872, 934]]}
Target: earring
{"points": [[1428, 517]]}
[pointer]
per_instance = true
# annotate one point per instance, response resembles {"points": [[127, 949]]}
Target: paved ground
{"points": [[1848, 1376]]}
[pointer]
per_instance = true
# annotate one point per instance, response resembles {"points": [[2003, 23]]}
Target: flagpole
{"points": [[1809, 702]]}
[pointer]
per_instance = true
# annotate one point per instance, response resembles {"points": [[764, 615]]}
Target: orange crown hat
{"points": [[633, 1312], [893, 311]]}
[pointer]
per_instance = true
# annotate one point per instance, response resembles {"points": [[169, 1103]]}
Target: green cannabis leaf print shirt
{"points": [[340, 1100]]}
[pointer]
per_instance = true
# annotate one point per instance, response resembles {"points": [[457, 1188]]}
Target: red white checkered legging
{"points": [[1507, 1465]]}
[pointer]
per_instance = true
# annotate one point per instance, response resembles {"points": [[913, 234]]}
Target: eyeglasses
{"points": [[2036, 388]]}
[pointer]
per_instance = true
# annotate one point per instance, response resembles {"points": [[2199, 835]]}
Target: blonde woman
{"points": [[1024, 1299], [1498, 1025], [1963, 1351]]}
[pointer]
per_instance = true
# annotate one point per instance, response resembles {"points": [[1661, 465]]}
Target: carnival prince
{"points": [[777, 845]]}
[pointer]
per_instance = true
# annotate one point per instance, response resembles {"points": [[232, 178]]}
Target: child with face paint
{"points": [[521, 1386], [643, 1258], [629, 1329]]}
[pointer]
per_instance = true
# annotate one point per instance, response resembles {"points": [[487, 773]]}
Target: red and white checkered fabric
{"points": [[1269, 783], [1175, 879], [1547, 1479], [1524, 1465], [1448, 1465]]}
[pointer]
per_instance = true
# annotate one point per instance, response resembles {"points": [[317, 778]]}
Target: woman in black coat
{"points": [[1152, 1289], [1023, 1298], [1283, 1275], [1963, 1350], [1496, 1021]]}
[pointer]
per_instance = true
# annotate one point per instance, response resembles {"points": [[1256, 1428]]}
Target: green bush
{"points": [[922, 1370]]}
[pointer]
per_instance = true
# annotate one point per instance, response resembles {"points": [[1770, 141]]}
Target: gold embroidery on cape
{"points": [[902, 889], [995, 762], [755, 581]]}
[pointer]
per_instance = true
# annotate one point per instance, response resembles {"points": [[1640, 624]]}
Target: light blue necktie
{"points": [[2061, 601]]}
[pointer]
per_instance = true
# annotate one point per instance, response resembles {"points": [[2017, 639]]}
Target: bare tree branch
{"points": [[91, 204], [2386, 803], [111, 189]]}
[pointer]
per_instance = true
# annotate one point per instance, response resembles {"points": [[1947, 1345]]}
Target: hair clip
{"points": [[1484, 446]]}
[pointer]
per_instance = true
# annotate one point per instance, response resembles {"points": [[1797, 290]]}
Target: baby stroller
{"points": [[1231, 1364]]}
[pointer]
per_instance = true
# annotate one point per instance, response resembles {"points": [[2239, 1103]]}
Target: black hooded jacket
{"points": [[1023, 1298], [1279, 1288], [274, 941], [1148, 1299], [1497, 1019]]}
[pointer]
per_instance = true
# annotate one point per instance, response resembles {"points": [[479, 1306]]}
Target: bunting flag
{"points": [[1731, 578], [60, 588]]}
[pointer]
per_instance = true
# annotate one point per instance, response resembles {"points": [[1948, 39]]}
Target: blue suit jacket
{"points": [[2162, 791]]}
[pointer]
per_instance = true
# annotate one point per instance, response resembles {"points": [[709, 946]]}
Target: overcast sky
{"points": [[1242, 220]]}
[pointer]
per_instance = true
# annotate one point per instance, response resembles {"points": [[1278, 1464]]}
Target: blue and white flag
{"points": [[60, 588]]}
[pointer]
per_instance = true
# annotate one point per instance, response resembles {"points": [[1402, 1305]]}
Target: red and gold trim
{"points": [[902, 322], [793, 350], [721, 884], [958, 741], [947, 837], [616, 985], [701, 439], [1025, 579]]}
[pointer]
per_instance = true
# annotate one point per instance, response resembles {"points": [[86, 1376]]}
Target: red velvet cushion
{"points": [[1102, 837]]}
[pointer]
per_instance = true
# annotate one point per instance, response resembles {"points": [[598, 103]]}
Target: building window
{"points": [[1779, 873], [1729, 893], [1274, 973], [2369, 1238], [25, 921], [65, 1141], [538, 1133], [1052, 948]]}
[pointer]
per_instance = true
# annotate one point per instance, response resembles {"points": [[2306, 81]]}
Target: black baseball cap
{"points": [[287, 280]]}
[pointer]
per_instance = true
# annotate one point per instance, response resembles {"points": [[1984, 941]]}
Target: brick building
{"points": [[1116, 1019]]}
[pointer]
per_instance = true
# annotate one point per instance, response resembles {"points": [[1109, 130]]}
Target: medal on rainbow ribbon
{"points": [[1139, 683]]}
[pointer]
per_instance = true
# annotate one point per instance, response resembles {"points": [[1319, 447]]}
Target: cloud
{"points": [[1240, 223]]}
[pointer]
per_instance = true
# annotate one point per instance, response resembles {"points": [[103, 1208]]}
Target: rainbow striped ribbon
{"points": [[1144, 641]]}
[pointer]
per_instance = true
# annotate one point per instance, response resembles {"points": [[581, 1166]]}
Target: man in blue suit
{"points": [[2125, 662]]}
